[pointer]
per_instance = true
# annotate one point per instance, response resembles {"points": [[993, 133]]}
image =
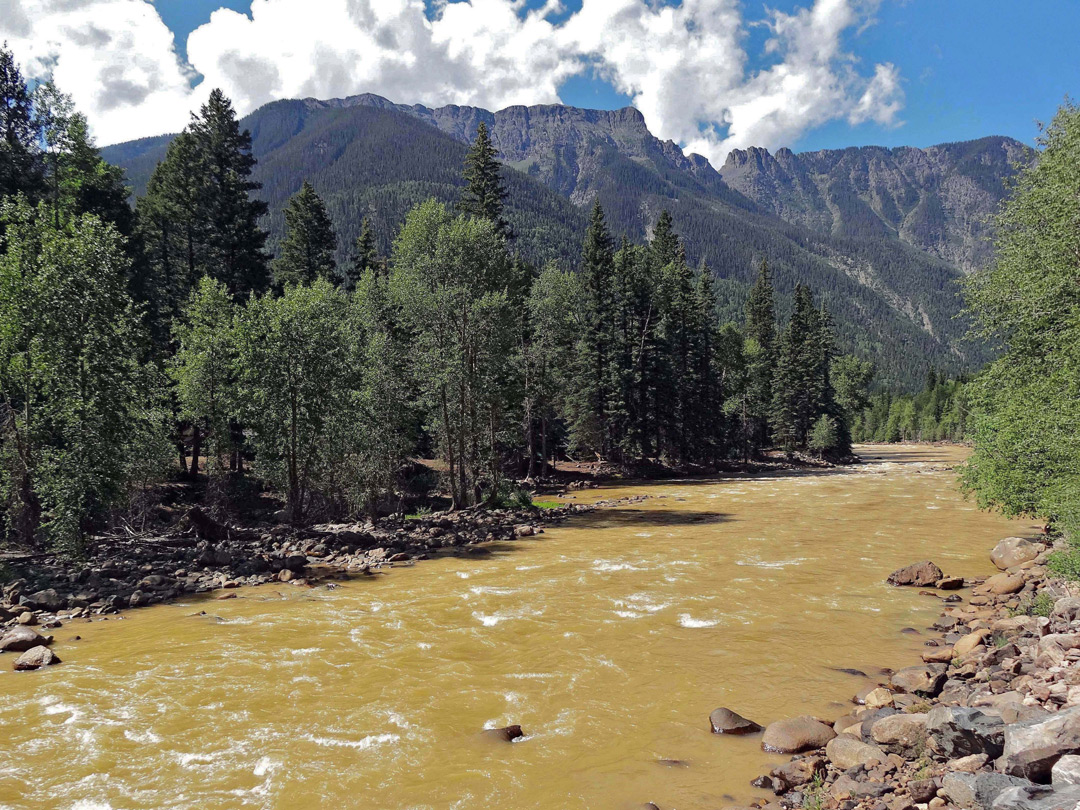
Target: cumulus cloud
{"points": [[684, 65]]}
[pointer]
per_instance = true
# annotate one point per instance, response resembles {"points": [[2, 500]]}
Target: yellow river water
{"points": [[609, 639]]}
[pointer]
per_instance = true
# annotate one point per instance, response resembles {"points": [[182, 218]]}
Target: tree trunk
{"points": [[196, 449]]}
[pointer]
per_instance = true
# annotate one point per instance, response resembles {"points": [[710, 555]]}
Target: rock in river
{"points": [[36, 658], [505, 734], [796, 734], [920, 574], [1014, 551], [21, 638], [725, 721]]}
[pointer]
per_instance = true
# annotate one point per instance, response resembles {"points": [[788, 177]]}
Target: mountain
{"points": [[939, 200], [892, 300]]}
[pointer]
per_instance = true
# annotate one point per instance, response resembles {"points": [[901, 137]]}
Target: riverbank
{"points": [[990, 720]]}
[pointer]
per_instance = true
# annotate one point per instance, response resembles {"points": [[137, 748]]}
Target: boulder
{"points": [[968, 764], [979, 790], [1033, 748], [296, 563], [938, 655], [955, 732], [1038, 797], [927, 679], [920, 574], [846, 787], [847, 751], [1067, 609], [922, 790], [1004, 584], [903, 734], [796, 773], [796, 734], [969, 642], [1014, 551], [27, 618], [21, 638], [876, 698], [725, 721], [1066, 771], [48, 600], [36, 658], [505, 734], [950, 583]]}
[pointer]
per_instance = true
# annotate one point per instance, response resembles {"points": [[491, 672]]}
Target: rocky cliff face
{"points": [[939, 200]]}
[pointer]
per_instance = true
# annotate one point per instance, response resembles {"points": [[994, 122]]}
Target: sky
{"points": [[712, 75]]}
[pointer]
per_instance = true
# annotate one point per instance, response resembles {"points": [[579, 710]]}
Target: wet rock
{"points": [[296, 563], [977, 791], [505, 734], [27, 618], [725, 721], [920, 574], [969, 642], [956, 731], [846, 752], [1066, 771], [21, 638], [927, 679], [903, 734], [938, 655], [1033, 748], [1013, 551], [36, 658], [796, 734], [138, 599], [950, 583]]}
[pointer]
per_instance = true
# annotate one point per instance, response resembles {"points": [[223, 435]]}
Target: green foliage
{"points": [[815, 793], [21, 169], [1027, 445], [307, 251], [73, 399], [825, 435], [1042, 604], [484, 193], [941, 412]]}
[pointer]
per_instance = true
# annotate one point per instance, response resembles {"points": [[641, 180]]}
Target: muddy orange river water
{"points": [[609, 639]]}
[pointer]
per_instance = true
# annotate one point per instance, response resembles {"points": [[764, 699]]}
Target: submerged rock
{"points": [[920, 574], [505, 734], [725, 721]]}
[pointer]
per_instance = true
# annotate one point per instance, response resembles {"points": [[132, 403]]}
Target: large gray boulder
{"points": [[36, 658], [903, 734], [48, 600], [1033, 748], [846, 752], [927, 679], [796, 734], [1038, 797], [921, 574], [977, 791], [956, 732], [1014, 551], [725, 721], [1066, 771], [21, 638]]}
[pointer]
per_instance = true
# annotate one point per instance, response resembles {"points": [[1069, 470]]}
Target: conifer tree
{"points": [[665, 244], [365, 256], [589, 428], [234, 241], [761, 355], [484, 193], [20, 161], [307, 251]]}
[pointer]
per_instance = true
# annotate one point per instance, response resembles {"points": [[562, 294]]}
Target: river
{"points": [[610, 639]]}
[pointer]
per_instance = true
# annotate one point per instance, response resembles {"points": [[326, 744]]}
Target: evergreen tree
{"points": [[665, 244], [307, 251], [761, 352], [234, 242], [589, 407], [20, 160], [365, 256], [484, 192]]}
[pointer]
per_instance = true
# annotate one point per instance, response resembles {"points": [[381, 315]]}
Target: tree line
{"points": [[941, 412], [167, 341]]}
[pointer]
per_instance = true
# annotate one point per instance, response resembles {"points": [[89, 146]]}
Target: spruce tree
{"points": [[484, 193], [20, 159], [665, 244], [307, 251], [762, 358], [589, 429], [365, 256], [234, 241]]}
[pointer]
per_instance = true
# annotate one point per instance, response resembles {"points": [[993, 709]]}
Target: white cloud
{"points": [[685, 65]]}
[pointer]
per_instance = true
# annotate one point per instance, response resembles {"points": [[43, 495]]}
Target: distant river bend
{"points": [[609, 639]]}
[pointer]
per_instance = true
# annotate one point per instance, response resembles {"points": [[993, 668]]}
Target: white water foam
{"points": [[686, 620], [360, 745]]}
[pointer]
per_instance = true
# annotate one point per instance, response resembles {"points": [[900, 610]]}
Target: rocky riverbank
{"points": [[990, 720], [43, 592]]}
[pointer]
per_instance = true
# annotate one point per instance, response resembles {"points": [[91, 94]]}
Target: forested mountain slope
{"points": [[369, 157]]}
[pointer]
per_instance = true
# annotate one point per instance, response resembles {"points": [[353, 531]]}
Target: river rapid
{"points": [[609, 639]]}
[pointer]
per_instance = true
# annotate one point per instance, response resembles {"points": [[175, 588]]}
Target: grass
{"points": [[814, 794], [546, 504], [1065, 564], [1040, 605]]}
